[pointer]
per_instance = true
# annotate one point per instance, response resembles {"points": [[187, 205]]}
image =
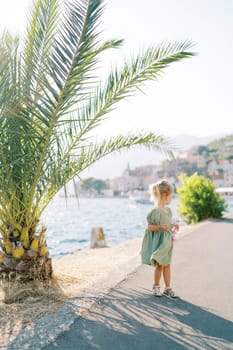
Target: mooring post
{"points": [[97, 238]]}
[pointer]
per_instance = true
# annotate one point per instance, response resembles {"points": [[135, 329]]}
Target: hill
{"points": [[218, 149], [115, 164]]}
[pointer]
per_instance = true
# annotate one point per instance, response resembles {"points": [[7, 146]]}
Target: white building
{"points": [[221, 172]]}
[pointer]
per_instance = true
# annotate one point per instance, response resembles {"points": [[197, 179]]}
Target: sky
{"points": [[194, 96]]}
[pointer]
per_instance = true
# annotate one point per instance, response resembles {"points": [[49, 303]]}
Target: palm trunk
{"points": [[23, 270], [24, 256]]}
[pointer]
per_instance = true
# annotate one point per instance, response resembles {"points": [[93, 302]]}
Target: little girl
{"points": [[157, 243]]}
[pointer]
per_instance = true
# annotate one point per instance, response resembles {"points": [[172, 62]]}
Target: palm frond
{"points": [[64, 169], [122, 83], [148, 140], [42, 26], [10, 76], [71, 133], [71, 50], [75, 41]]}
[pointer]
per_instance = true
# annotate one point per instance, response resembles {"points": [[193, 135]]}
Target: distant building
{"points": [[221, 172], [197, 159], [125, 183], [218, 179]]}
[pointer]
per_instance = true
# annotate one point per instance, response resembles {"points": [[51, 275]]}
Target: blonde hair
{"points": [[160, 189]]}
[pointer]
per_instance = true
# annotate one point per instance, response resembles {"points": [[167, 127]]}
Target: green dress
{"points": [[157, 246]]}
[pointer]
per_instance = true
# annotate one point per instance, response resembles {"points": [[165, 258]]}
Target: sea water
{"points": [[69, 222]]}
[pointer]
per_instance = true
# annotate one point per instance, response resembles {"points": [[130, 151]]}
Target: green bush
{"points": [[198, 199]]}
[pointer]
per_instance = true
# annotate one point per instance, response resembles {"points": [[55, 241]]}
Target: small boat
{"points": [[140, 197], [225, 191]]}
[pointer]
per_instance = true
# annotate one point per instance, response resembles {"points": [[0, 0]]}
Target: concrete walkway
{"points": [[129, 317]]}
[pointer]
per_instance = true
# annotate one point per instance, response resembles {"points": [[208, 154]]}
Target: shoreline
{"points": [[87, 267]]}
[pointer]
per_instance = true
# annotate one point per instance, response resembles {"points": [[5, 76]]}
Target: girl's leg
{"points": [[157, 275], [167, 275], [167, 279]]}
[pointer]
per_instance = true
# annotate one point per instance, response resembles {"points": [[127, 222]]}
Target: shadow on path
{"points": [[130, 319]]}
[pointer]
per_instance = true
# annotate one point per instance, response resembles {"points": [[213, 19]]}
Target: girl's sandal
{"points": [[156, 291], [168, 292]]}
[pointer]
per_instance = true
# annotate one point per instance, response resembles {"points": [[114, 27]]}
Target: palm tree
{"points": [[50, 102]]}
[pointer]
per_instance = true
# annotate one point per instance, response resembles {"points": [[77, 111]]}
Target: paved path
{"points": [[129, 317]]}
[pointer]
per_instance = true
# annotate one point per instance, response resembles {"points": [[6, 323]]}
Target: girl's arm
{"points": [[154, 228]]}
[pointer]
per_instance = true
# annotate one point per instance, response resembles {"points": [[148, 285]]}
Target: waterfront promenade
{"points": [[129, 317]]}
